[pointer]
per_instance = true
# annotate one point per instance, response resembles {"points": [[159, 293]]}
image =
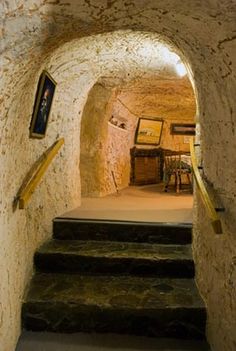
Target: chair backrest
{"points": [[172, 163]]}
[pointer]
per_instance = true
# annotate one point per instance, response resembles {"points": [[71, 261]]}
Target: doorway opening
{"points": [[131, 125]]}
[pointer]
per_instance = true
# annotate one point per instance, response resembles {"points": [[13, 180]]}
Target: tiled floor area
{"points": [[138, 203]]}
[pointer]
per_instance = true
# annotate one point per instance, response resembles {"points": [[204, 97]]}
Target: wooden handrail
{"points": [[36, 173], [215, 221]]}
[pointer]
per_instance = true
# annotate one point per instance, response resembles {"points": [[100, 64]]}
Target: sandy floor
{"points": [[143, 203]]}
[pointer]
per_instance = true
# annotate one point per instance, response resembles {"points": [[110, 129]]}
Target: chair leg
{"points": [[190, 181], [178, 179], [167, 184], [168, 178]]}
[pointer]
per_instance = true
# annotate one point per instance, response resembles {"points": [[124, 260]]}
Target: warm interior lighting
{"points": [[162, 57], [180, 69]]}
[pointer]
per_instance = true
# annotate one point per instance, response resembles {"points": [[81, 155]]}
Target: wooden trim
{"points": [[37, 173], [188, 128], [215, 221]]}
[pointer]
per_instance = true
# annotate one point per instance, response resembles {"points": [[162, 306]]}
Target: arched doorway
{"points": [[105, 147], [147, 88]]}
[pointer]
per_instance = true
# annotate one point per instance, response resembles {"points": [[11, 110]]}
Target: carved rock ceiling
{"points": [[167, 98]]}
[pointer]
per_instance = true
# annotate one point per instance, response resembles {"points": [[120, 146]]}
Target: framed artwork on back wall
{"points": [[182, 128], [149, 131]]}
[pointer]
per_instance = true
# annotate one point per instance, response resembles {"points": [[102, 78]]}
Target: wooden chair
{"points": [[174, 167]]}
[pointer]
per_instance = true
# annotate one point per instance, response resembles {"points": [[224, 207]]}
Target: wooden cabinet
{"points": [[146, 166]]}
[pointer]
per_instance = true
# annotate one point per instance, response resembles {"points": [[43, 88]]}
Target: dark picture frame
{"points": [[42, 106], [182, 128], [149, 131]]}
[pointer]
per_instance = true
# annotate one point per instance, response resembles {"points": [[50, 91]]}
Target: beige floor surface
{"points": [[138, 203]]}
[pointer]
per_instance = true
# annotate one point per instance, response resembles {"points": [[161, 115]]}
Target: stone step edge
{"points": [[117, 308], [49, 276], [122, 231], [73, 318], [46, 249], [124, 222], [144, 259]]}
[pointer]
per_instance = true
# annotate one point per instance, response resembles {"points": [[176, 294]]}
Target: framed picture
{"points": [[182, 129], [149, 131], [42, 105]]}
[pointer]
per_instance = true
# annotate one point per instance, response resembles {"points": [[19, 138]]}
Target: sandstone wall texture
{"points": [[74, 41], [105, 148], [118, 160], [169, 99], [93, 141]]}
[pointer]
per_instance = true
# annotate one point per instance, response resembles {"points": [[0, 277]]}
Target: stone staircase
{"points": [[117, 277]]}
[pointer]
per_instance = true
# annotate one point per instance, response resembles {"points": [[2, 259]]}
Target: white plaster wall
{"points": [[33, 34]]}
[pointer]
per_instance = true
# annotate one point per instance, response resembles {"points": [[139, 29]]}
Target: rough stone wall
{"points": [[33, 36], [172, 141], [93, 141], [170, 99], [76, 67], [118, 158], [105, 149], [119, 144]]}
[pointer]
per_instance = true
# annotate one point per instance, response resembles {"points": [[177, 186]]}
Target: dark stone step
{"points": [[104, 342], [83, 229], [117, 304], [98, 257]]}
